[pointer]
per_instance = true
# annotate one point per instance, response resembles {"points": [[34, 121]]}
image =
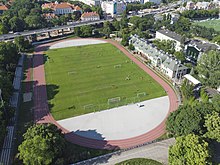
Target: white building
{"points": [[169, 35], [165, 62], [90, 16], [113, 7], [153, 1], [173, 69], [134, 1], [91, 2], [190, 5]]}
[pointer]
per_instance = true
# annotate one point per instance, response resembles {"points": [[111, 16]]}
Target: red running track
{"points": [[42, 114]]}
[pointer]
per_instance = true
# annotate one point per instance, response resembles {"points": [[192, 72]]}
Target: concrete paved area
{"points": [[156, 151], [119, 123], [78, 42]]}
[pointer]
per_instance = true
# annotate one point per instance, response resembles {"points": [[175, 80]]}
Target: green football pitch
{"points": [[210, 24], [92, 78]]}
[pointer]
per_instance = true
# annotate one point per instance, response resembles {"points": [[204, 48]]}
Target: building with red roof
{"points": [[61, 8], [90, 16]]}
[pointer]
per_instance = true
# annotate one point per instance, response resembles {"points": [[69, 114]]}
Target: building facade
{"points": [[92, 2], [169, 35], [153, 1], [61, 8], [165, 62], [90, 16], [194, 49], [113, 7]]}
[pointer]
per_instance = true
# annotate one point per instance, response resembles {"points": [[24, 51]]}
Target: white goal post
{"points": [[89, 107], [114, 100], [117, 66], [71, 72], [142, 94]]}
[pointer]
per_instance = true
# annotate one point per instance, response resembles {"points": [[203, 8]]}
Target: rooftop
{"points": [[3, 7], [173, 64], [171, 34], [203, 46], [147, 48], [192, 79], [89, 14], [61, 5]]}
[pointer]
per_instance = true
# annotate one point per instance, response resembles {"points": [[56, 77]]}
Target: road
{"points": [[78, 24], [156, 151]]}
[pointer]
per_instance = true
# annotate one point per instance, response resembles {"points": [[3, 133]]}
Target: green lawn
{"points": [[81, 79], [210, 24], [139, 161]]}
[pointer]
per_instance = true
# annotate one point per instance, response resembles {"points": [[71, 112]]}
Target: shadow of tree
{"points": [[86, 141], [216, 150], [42, 95]]}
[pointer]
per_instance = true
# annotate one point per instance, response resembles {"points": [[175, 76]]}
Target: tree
{"points": [[124, 40], [34, 21], [184, 121], [216, 39], [180, 56], [43, 144], [76, 15], [165, 45], [107, 30], [3, 29], [116, 24], [216, 102], [99, 11], [86, 31], [77, 31], [124, 21], [131, 47], [190, 149], [203, 95], [209, 68], [63, 19], [16, 24], [212, 123], [21, 43]]}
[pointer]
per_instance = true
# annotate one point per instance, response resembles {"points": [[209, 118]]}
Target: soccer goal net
{"points": [[89, 107], [71, 72], [141, 94], [114, 100], [117, 66]]}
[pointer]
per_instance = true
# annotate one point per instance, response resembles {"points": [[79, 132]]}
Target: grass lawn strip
{"points": [[210, 24], [140, 161]]}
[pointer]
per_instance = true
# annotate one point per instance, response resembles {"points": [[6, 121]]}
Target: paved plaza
{"points": [[119, 123], [78, 42]]}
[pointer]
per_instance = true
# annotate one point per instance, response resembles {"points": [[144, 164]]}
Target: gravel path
{"points": [[42, 114]]}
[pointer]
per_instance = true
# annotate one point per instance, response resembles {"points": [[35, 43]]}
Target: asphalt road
{"points": [[77, 24]]}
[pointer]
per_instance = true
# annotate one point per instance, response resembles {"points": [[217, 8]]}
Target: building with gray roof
{"points": [[169, 35], [196, 48], [164, 61]]}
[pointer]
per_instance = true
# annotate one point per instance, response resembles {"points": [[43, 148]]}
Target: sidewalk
{"points": [[157, 151]]}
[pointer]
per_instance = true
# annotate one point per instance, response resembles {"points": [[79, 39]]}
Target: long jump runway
{"points": [[97, 137]]}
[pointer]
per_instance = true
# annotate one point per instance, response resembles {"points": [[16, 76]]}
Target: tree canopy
{"points": [[43, 144], [212, 123], [190, 149], [209, 68]]}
